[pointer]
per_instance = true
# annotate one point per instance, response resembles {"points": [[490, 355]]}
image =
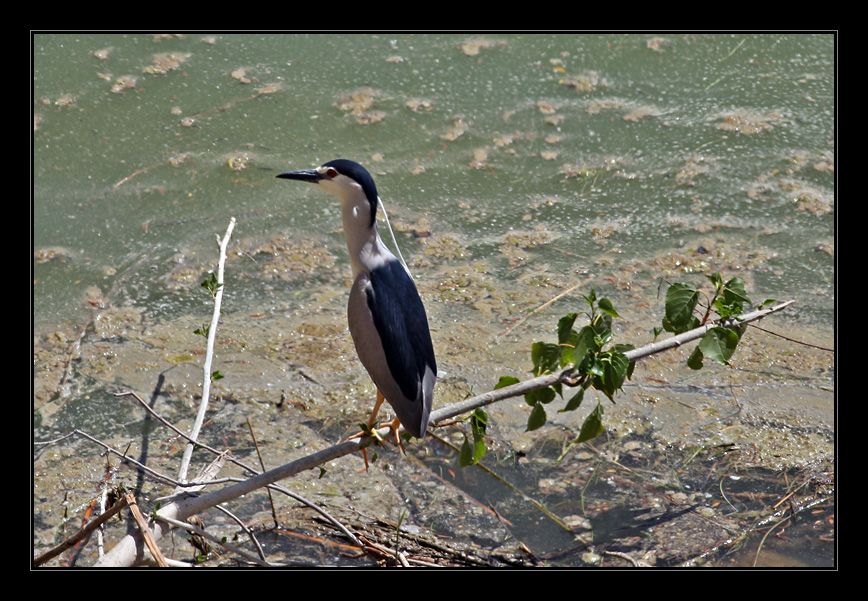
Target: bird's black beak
{"points": [[303, 175]]}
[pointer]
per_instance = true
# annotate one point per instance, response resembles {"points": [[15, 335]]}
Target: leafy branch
{"points": [[594, 360], [589, 357]]}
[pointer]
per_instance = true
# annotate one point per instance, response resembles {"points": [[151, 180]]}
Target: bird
{"points": [[386, 316]]}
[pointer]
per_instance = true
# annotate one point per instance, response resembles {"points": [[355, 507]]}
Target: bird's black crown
{"points": [[361, 176]]}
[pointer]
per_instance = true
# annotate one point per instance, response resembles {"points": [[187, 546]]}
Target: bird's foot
{"points": [[370, 430], [393, 430], [373, 430]]}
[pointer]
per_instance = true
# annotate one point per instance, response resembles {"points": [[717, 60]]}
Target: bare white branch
{"points": [[209, 355]]}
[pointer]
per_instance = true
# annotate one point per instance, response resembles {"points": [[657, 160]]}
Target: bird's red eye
{"points": [[331, 173]]}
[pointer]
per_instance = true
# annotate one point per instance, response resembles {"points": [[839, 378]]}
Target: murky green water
{"points": [[533, 160]]}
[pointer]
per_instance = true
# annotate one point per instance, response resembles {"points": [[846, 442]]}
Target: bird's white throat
{"points": [[367, 250]]}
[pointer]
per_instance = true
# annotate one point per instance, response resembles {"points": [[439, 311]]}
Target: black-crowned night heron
{"points": [[386, 316]]}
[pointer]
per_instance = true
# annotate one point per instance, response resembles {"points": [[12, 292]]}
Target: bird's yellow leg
{"points": [[370, 430], [373, 419], [393, 427]]}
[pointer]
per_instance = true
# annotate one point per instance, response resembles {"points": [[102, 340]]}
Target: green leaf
{"points": [[623, 348], [695, 360], [465, 456], [210, 284], [565, 326], [732, 300], [203, 330], [543, 395], [591, 298], [734, 291], [216, 375], [593, 425], [479, 423], [583, 341], [574, 402], [596, 368], [656, 332], [767, 302], [604, 339], [472, 454], [615, 366], [588, 336], [607, 307], [537, 417], [479, 450], [681, 301], [602, 326], [479, 419], [545, 356], [322, 472], [568, 348], [505, 381], [719, 344], [715, 279]]}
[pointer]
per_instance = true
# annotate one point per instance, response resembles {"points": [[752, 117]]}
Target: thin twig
{"points": [[128, 459], [53, 441], [357, 550], [822, 348], [540, 308], [539, 506], [262, 464], [251, 470], [207, 475], [635, 562], [791, 493], [244, 527], [179, 432], [765, 536], [723, 494], [209, 355], [420, 562], [191, 528], [103, 497], [81, 534], [337, 524], [731, 542], [142, 523]]}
